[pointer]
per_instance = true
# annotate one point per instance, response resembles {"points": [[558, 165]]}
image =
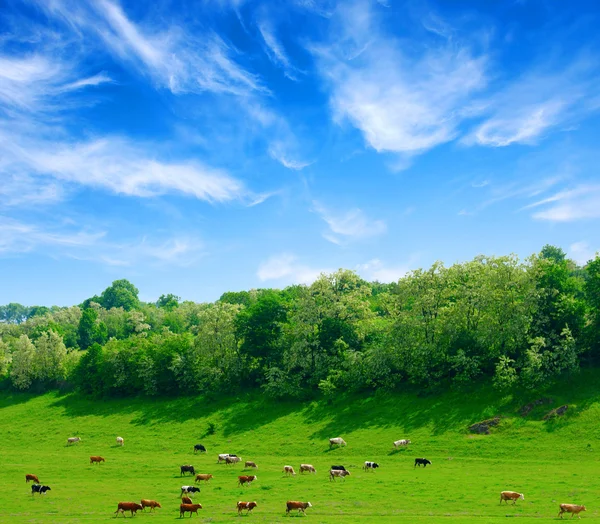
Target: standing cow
{"points": [[421, 462], [248, 506], [294, 504], [120, 441], [128, 506], [73, 440], [337, 441], [199, 447], [511, 495], [574, 509], [187, 468], [401, 442]]}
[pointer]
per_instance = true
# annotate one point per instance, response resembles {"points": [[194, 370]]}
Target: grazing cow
{"points": [[370, 465], [29, 477], [232, 459], [73, 440], [199, 447], [191, 508], [189, 489], [186, 500], [341, 473], [152, 504], [250, 464], [223, 456], [575, 509], [97, 460], [203, 476], [187, 468], [246, 479], [511, 495], [338, 441], [422, 461], [120, 441], [402, 442], [294, 504], [36, 488], [338, 467], [307, 467], [249, 506], [289, 470], [128, 506]]}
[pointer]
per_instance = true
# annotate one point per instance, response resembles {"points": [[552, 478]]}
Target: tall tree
{"points": [[121, 293]]}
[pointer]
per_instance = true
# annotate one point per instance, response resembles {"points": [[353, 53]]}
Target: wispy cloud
{"points": [[278, 151], [581, 252], [286, 268], [348, 226], [275, 50], [377, 270], [581, 202]]}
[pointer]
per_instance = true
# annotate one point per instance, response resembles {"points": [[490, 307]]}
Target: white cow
{"points": [[289, 470], [73, 440], [403, 442], [120, 441], [333, 473], [307, 467], [338, 441], [223, 456], [232, 459]]}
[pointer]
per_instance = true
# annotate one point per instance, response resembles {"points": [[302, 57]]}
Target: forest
{"points": [[517, 323]]}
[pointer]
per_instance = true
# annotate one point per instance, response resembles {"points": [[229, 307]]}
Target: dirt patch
{"points": [[483, 427], [558, 412], [525, 410]]}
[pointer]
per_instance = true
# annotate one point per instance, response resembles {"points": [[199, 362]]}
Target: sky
{"points": [[197, 147]]}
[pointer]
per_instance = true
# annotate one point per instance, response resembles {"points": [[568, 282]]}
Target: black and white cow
{"points": [[370, 465], [199, 447], [422, 461], [189, 489], [38, 488]]}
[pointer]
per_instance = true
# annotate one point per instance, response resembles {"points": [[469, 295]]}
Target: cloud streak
{"points": [[285, 267], [348, 226]]}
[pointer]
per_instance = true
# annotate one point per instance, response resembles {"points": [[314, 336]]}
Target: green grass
{"points": [[549, 461]]}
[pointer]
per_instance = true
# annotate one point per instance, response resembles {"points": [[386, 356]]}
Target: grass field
{"points": [[549, 461]]}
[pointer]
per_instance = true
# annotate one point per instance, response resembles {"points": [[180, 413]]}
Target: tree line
{"points": [[517, 323]]}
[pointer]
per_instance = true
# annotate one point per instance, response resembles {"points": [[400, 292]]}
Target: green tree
{"points": [[91, 331], [121, 293], [168, 302], [88, 374], [50, 357], [22, 370]]}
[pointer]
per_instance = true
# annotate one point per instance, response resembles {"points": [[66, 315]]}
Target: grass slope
{"points": [[549, 461]]}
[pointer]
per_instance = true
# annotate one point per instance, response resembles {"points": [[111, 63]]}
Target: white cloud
{"points": [[275, 50], [375, 269], [401, 102], [581, 253], [278, 151], [351, 225], [285, 267], [582, 202]]}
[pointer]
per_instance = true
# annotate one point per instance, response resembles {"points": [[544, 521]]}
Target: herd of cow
{"points": [[336, 471]]}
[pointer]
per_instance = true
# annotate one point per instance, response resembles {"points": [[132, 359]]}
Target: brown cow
{"points": [[191, 508], [150, 504], [511, 495], [203, 476], [294, 504], [186, 500], [29, 477], [96, 460], [250, 464], [128, 506], [307, 467], [575, 509], [289, 470], [249, 506], [246, 479]]}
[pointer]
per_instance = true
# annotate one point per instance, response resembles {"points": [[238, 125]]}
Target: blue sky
{"points": [[196, 147]]}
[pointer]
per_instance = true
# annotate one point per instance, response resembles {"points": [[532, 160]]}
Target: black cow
{"points": [[38, 488], [189, 489], [188, 468], [199, 447], [423, 461], [339, 467], [370, 465]]}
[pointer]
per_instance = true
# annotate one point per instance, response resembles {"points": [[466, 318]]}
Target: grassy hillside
{"points": [[549, 461]]}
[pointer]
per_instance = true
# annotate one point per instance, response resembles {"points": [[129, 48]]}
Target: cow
{"points": [[187, 469], [511, 495], [338, 467], [289, 470], [128, 506], [203, 476], [294, 504], [232, 459], [246, 479], [250, 464], [186, 500], [421, 461], [120, 441], [191, 508], [96, 460], [189, 489], [73, 440], [37, 488], [34, 478], [200, 448], [307, 467], [338, 441], [370, 465], [152, 504], [223, 456], [333, 473], [402, 442], [575, 509], [248, 506]]}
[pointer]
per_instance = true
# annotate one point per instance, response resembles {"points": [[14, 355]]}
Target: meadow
{"points": [[551, 461]]}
